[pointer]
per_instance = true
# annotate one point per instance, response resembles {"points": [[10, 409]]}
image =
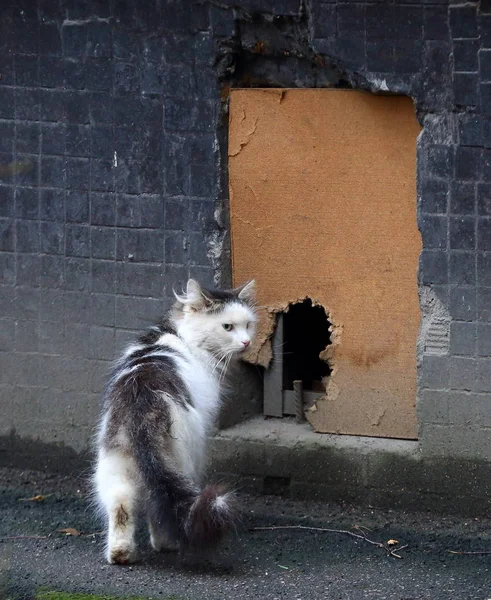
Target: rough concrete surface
{"points": [[281, 455], [281, 564]]}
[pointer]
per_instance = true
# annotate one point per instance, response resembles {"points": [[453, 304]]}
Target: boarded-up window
{"points": [[323, 205]]}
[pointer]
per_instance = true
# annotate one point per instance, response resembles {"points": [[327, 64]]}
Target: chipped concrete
{"points": [[434, 335], [363, 470]]}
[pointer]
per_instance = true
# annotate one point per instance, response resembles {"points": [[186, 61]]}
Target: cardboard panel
{"points": [[323, 205]]}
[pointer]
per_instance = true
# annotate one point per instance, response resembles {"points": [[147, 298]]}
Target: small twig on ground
{"points": [[462, 552], [38, 498], [360, 536]]}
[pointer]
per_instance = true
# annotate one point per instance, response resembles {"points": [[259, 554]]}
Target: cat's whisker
{"points": [[224, 372]]}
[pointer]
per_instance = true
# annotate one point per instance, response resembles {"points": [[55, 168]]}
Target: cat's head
{"points": [[220, 321]]}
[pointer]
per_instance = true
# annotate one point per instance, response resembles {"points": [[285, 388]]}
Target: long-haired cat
{"points": [[159, 407]]}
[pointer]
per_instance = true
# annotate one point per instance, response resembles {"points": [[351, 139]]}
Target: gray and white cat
{"points": [[160, 406]]}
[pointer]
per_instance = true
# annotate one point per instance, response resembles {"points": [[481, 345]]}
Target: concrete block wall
{"points": [[108, 192], [113, 181]]}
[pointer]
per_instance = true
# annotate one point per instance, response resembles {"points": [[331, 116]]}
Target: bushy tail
{"points": [[197, 519], [210, 517]]}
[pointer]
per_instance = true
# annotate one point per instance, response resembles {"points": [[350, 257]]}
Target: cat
{"points": [[160, 405]]}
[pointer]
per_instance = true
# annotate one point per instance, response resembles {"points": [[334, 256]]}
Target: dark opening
{"points": [[306, 335]]}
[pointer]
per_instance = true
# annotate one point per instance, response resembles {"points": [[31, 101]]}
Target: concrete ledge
{"points": [[281, 457]]}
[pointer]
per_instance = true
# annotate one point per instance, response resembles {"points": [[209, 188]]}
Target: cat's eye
{"points": [[228, 326], [247, 326]]}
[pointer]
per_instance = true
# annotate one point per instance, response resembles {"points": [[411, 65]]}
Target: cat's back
{"points": [[162, 360]]}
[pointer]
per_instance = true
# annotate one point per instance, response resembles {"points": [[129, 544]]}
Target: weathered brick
{"points": [[462, 268], [77, 207], [434, 231], [27, 235], [137, 313], [52, 237], [7, 335], [462, 233], [463, 303], [78, 274], [103, 242], [434, 266], [484, 334], [465, 55], [102, 341], [463, 21], [103, 276], [433, 406], [462, 410], [52, 273], [140, 245], [484, 304], [7, 103], [103, 209], [52, 336], [434, 194], [26, 336], [484, 199], [483, 382], [484, 233], [140, 280], [435, 372], [23, 268], [462, 198], [463, 338], [440, 160], [467, 163], [76, 340], [470, 131], [465, 89], [463, 373], [78, 240], [484, 269], [176, 247], [77, 307]]}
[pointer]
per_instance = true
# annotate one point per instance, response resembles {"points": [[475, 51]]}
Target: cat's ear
{"points": [[193, 298], [247, 292]]}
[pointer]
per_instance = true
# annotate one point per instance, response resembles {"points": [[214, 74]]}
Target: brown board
{"points": [[323, 205]]}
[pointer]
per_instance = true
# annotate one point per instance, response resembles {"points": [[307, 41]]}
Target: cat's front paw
{"points": [[121, 554]]}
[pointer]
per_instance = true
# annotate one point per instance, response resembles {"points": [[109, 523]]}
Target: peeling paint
{"points": [[245, 141], [378, 418], [258, 231]]}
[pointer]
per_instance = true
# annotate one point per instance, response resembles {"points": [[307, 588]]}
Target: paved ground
{"points": [[280, 564]]}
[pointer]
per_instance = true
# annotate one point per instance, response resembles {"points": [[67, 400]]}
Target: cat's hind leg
{"points": [[117, 488], [162, 538]]}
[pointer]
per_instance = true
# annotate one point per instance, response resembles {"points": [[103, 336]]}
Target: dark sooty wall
{"points": [[113, 183]]}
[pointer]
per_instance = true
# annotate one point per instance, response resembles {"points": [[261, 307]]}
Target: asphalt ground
{"points": [[440, 557]]}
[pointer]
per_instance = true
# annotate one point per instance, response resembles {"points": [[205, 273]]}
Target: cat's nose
{"points": [[246, 343]]}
